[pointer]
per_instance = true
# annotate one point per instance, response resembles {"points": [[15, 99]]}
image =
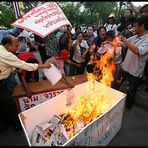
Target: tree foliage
{"points": [[7, 14], [100, 10], [92, 12]]}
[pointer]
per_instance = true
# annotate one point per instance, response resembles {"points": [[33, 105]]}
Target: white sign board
{"points": [[43, 20], [99, 132], [25, 103]]}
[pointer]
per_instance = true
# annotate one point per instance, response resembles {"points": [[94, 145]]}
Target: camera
{"points": [[132, 30]]}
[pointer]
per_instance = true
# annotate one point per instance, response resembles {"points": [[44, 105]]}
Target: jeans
{"points": [[10, 83], [67, 69], [74, 70], [132, 84]]}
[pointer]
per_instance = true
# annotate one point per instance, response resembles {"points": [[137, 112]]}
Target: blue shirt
{"points": [[15, 32]]}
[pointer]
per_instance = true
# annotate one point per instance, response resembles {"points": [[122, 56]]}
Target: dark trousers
{"points": [[132, 84], [74, 70], [146, 69], [10, 83], [8, 108]]}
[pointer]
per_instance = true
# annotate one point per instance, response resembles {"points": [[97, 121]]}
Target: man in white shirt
{"points": [[8, 62], [132, 68]]}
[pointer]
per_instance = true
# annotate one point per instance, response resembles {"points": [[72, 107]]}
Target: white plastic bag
{"points": [[53, 74]]}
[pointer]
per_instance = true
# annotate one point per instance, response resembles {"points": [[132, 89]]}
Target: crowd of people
{"points": [[74, 54]]}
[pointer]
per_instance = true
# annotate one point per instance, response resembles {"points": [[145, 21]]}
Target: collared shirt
{"points": [[135, 63], [8, 61], [77, 57]]}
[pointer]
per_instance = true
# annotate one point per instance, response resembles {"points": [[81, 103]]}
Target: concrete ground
{"points": [[134, 130]]}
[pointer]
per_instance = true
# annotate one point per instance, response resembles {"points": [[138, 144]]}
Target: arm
{"points": [[72, 63], [46, 65], [25, 85], [130, 46], [14, 61], [75, 44], [66, 82], [31, 45], [87, 49]]}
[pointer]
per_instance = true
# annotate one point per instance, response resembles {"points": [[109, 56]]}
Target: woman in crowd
{"points": [[80, 48], [101, 37]]}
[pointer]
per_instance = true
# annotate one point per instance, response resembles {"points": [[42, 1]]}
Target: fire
{"points": [[107, 68], [87, 109], [94, 104]]}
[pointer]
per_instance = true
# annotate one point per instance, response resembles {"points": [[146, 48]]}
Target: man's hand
{"points": [[121, 38], [46, 65], [18, 70], [92, 48], [28, 94]]}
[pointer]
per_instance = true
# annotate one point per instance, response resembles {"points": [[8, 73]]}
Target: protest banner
{"points": [[43, 20]]}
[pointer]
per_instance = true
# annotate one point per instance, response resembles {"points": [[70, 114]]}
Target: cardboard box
{"points": [[99, 132]]}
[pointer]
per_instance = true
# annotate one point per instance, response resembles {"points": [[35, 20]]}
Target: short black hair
{"points": [[143, 20], [98, 30], [90, 26], [143, 7], [79, 33], [77, 27], [6, 40], [110, 34], [131, 11]]}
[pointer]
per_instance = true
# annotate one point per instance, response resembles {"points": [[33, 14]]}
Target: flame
{"points": [[88, 107], [91, 106], [107, 69]]}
